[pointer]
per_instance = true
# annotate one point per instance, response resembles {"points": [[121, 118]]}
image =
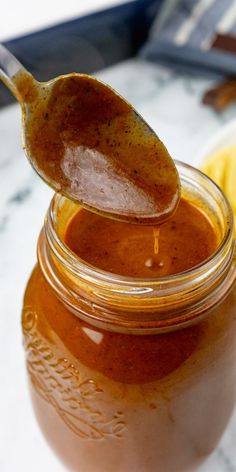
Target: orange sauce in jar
{"points": [[136, 371], [184, 241], [109, 399]]}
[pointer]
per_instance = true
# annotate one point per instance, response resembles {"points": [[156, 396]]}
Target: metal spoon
{"points": [[89, 143]]}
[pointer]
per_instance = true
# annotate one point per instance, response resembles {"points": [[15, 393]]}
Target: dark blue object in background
{"points": [[85, 44]]}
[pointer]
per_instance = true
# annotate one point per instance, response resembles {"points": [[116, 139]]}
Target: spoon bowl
{"points": [[89, 143]]}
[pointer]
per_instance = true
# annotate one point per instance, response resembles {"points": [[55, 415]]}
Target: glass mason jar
{"points": [[132, 374]]}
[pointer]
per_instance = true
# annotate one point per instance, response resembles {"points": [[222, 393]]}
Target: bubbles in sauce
{"points": [[184, 241]]}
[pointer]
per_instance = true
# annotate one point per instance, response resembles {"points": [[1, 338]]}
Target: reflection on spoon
{"points": [[89, 143], [91, 176]]}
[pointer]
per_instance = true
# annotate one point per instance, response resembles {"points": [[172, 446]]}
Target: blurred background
{"points": [[20, 18], [175, 61]]}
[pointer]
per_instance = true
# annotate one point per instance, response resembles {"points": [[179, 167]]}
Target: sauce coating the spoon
{"points": [[90, 144]]}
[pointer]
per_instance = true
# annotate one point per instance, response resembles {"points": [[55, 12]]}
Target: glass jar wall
{"points": [[132, 373]]}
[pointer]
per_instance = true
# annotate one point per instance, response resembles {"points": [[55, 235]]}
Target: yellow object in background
{"points": [[221, 167]]}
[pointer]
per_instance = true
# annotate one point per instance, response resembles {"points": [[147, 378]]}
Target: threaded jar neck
{"points": [[135, 304]]}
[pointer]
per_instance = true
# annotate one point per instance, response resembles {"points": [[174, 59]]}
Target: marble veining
{"points": [[20, 196], [171, 103]]}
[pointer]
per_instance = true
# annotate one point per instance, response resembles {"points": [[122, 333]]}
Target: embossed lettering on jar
{"points": [[126, 373]]}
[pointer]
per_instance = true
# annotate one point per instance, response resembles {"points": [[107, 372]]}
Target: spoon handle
{"points": [[9, 67]]}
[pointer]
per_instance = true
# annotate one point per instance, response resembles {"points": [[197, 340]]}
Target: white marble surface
{"points": [[172, 105]]}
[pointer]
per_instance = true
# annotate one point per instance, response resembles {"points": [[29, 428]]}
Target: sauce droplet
{"points": [[156, 234]]}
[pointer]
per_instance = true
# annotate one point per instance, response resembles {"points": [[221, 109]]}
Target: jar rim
{"points": [[76, 261], [142, 305]]}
